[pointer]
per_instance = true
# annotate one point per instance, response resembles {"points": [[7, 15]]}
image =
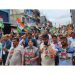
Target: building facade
{"points": [[5, 15]]}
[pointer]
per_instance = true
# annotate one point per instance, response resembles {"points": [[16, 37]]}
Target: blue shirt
{"points": [[63, 59]]}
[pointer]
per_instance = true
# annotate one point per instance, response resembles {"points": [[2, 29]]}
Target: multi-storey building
{"points": [[5, 15]]}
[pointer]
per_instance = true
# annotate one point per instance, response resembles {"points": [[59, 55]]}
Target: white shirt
{"points": [[50, 38], [44, 61]]}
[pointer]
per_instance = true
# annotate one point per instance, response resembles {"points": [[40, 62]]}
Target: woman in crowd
{"points": [[30, 54]]}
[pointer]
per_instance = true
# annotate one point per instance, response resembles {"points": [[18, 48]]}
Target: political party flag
{"points": [[19, 30], [27, 29], [1, 22]]}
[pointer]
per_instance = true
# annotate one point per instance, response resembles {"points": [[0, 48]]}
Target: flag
{"points": [[1, 23], [20, 25], [19, 30], [27, 29]]}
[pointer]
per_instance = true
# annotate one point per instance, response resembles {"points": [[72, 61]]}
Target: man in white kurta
{"points": [[47, 52], [15, 54]]}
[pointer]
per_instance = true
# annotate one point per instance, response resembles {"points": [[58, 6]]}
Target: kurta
{"points": [[28, 54], [15, 56], [46, 56]]}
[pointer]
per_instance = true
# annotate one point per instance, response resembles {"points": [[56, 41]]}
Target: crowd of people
{"points": [[37, 48]]}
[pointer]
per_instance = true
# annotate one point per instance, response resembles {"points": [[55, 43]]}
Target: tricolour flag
{"points": [[20, 25]]}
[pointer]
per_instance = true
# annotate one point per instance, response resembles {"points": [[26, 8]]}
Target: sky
{"points": [[57, 16]]}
